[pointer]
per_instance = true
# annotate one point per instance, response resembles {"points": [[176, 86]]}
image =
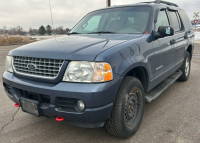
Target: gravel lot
{"points": [[174, 117]]}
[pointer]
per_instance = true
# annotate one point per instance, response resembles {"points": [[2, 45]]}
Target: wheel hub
{"points": [[131, 107], [187, 66]]}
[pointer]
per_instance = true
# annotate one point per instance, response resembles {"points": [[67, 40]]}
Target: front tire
{"points": [[185, 68], [128, 109]]}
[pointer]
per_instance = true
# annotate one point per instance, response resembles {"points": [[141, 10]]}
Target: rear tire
{"points": [[185, 68], [128, 109]]}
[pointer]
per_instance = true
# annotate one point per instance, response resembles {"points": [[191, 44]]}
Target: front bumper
{"points": [[98, 98]]}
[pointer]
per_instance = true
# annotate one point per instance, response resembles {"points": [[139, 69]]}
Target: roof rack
{"points": [[163, 2]]}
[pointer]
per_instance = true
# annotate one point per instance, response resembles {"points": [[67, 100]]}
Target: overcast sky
{"points": [[66, 13]]}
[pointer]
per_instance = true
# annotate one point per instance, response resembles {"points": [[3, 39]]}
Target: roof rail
{"points": [[163, 2]]}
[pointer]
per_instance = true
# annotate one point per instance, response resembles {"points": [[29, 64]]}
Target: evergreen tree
{"points": [[67, 30], [42, 30], [48, 29]]}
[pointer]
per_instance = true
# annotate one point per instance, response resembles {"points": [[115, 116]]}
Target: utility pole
{"points": [[108, 3]]}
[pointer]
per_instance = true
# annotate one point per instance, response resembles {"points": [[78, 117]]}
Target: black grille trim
{"points": [[7, 88], [34, 96], [67, 104]]}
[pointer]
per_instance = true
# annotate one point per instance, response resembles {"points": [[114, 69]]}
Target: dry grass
{"points": [[196, 30], [10, 40]]}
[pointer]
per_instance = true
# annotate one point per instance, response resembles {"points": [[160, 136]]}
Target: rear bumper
{"points": [[98, 98]]}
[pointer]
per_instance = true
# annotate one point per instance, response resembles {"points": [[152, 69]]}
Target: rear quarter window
{"points": [[186, 20]]}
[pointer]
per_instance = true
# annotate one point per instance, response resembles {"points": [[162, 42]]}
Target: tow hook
{"points": [[59, 119], [17, 105]]}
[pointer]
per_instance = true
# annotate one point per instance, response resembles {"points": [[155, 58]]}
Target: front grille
{"points": [[47, 68], [66, 104]]}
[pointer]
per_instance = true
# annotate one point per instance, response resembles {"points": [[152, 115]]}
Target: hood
{"points": [[73, 47]]}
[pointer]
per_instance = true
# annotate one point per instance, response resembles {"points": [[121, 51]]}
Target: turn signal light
{"points": [[102, 72]]}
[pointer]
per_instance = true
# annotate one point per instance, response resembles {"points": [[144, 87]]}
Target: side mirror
{"points": [[164, 31]]}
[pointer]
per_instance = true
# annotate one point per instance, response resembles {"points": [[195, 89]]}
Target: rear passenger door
{"points": [[177, 24]]}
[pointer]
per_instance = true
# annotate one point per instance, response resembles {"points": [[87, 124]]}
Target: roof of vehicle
{"points": [[163, 2], [151, 3]]}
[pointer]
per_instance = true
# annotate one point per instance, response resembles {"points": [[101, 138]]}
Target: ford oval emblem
{"points": [[31, 66]]}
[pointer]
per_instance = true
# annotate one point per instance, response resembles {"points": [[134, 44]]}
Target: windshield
{"points": [[133, 20]]}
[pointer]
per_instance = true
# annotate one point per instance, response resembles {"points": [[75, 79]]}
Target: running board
{"points": [[159, 89]]}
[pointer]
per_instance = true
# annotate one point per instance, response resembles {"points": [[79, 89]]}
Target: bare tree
{"points": [[4, 30], [35, 31], [13, 31], [30, 31], [1, 31], [60, 30], [55, 31], [19, 30]]}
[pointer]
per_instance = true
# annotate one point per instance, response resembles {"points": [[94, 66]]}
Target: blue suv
{"points": [[102, 72]]}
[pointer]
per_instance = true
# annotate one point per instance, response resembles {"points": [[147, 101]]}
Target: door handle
{"points": [[186, 34], [173, 41]]}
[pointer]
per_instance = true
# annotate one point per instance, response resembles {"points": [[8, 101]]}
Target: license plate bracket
{"points": [[30, 106]]}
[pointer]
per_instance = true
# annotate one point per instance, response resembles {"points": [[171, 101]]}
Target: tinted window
{"points": [[174, 20], [117, 20], [162, 20], [186, 19]]}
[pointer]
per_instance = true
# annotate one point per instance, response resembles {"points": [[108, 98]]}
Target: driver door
{"points": [[164, 51]]}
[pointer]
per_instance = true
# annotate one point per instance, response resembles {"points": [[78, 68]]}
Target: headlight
{"points": [[8, 64], [82, 71]]}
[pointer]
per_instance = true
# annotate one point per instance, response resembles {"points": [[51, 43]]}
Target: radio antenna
{"points": [[52, 22]]}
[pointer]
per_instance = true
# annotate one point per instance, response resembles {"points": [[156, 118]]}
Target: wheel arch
{"points": [[190, 50], [141, 73]]}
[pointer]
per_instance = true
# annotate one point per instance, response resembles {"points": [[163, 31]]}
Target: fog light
{"points": [[80, 105]]}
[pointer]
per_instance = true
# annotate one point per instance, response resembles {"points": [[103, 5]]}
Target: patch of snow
{"points": [[197, 35]]}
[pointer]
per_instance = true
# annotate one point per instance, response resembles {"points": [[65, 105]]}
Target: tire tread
{"points": [[183, 77]]}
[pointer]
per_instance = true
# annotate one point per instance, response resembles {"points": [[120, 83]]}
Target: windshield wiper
{"points": [[74, 33], [99, 32]]}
